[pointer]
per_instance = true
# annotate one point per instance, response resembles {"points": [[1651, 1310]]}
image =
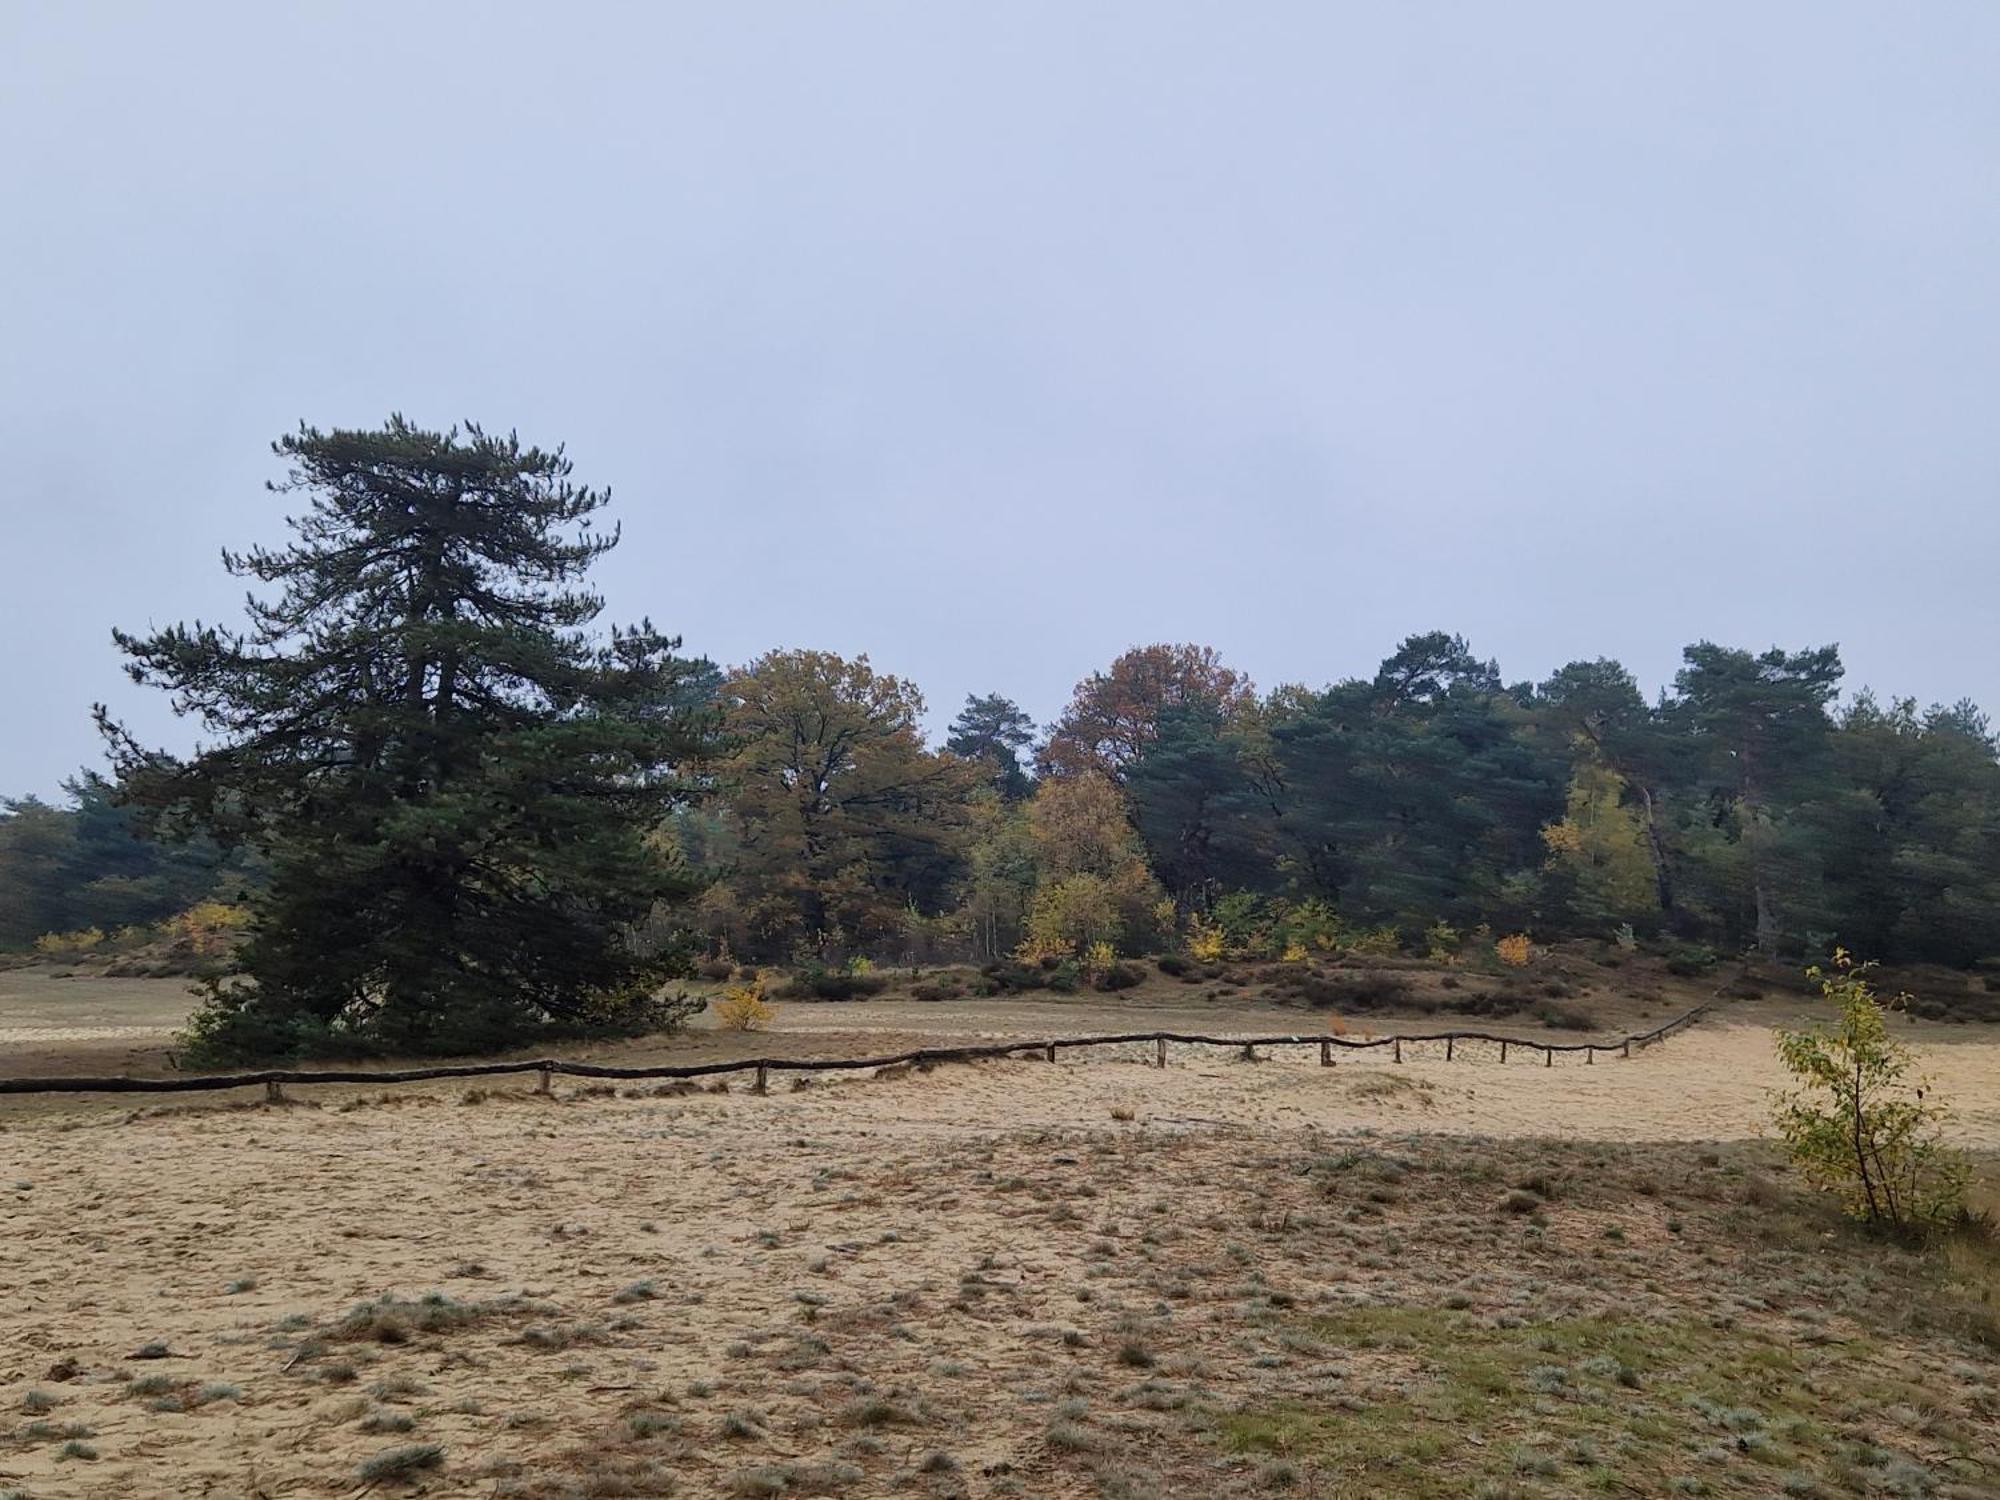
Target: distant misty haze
{"points": [[993, 340]]}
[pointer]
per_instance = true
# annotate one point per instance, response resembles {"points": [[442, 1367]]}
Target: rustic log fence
{"points": [[274, 1079]]}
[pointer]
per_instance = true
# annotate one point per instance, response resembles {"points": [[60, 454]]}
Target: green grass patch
{"points": [[1592, 1405]]}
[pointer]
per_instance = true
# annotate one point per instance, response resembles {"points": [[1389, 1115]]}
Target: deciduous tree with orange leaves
{"points": [[1114, 715]]}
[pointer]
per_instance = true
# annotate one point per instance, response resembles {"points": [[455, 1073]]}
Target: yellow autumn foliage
{"points": [[743, 1007], [62, 944], [1204, 940], [210, 926]]}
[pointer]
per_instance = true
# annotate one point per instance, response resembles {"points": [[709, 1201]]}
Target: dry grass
{"points": [[1093, 1279], [706, 1295]]}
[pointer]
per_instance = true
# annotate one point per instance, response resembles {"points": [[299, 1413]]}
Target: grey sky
{"points": [[993, 339]]}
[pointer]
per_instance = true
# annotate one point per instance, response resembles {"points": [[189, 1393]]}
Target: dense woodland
{"points": [[452, 811]]}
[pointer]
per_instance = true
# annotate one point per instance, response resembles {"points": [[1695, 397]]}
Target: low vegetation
{"points": [[742, 1007], [1116, 1311], [1859, 1124]]}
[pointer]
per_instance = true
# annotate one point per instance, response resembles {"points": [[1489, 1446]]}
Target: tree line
{"points": [[466, 816], [1744, 810]]}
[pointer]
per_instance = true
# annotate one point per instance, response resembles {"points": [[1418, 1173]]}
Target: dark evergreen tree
{"points": [[1198, 805], [37, 847], [1909, 832], [994, 731], [1757, 727], [87, 865], [452, 780], [1418, 796], [1427, 668]]}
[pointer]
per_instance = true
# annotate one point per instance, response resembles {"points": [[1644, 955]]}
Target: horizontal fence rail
{"points": [[274, 1078]]}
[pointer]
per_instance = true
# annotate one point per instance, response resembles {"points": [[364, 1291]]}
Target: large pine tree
{"points": [[452, 779]]}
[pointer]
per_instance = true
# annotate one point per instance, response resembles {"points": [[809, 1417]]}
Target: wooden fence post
{"points": [[762, 1085], [1548, 1057], [1249, 1053], [1447, 1048], [1628, 1046], [274, 1091], [1326, 1054], [1160, 1051], [1052, 1051], [1590, 1054], [1399, 1049], [1503, 1049], [543, 1086]]}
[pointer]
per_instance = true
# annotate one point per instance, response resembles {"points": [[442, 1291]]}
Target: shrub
{"points": [[395, 1463], [1250, 925], [743, 1008], [1309, 926], [1204, 940], [67, 944], [1512, 950], [210, 927], [1007, 975], [1381, 942], [1359, 989], [1120, 977], [1173, 965], [1069, 915], [717, 969], [827, 984], [1859, 1125], [1691, 961]]}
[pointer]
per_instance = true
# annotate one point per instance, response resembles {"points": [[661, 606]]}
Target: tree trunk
{"points": [[1656, 845], [1760, 888], [1751, 805]]}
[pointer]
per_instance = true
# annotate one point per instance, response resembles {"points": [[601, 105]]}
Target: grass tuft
{"points": [[400, 1463]]}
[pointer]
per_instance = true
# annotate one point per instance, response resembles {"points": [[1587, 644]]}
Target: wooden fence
{"points": [[274, 1079]]}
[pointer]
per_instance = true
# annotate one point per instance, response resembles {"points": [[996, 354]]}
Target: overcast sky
{"points": [[992, 339]]}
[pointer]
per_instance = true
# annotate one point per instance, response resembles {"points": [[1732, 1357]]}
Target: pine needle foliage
{"points": [[450, 775]]}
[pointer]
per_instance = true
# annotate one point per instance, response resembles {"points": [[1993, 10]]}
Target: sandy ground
{"points": [[786, 1246], [38, 1007], [747, 1272], [1710, 1083]]}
